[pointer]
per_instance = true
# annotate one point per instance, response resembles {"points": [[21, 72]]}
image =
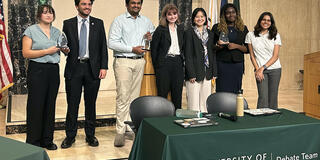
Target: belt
{"points": [[86, 60], [172, 55], [134, 57]]}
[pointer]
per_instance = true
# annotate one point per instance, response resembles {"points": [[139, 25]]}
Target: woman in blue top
{"points": [[39, 46]]}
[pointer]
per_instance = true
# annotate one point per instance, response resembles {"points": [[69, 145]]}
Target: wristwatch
{"points": [[264, 67]]}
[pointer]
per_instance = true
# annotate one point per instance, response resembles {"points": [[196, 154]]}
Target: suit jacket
{"points": [[194, 54], [98, 53], [161, 42], [230, 56]]}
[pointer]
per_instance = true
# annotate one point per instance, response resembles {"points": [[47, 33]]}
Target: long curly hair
{"points": [[223, 26], [273, 31]]}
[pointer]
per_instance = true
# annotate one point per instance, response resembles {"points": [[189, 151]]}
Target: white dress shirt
{"points": [[88, 28], [127, 32], [174, 48]]}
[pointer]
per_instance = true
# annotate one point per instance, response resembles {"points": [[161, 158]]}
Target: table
{"points": [[14, 150], [286, 136]]}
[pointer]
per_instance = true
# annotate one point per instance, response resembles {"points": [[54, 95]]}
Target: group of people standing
{"points": [[195, 55]]}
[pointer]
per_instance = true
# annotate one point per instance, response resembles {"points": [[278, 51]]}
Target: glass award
{"points": [[62, 41], [146, 44], [224, 37]]}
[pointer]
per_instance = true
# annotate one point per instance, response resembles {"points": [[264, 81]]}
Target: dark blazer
{"points": [[227, 55], [194, 54], [161, 42], [98, 53]]}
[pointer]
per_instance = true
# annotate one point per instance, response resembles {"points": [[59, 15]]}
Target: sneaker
{"points": [[129, 135], [119, 140]]}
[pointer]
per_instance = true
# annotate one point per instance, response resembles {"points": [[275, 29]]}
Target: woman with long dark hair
{"points": [[201, 65], [264, 45], [230, 51], [39, 46], [167, 54]]}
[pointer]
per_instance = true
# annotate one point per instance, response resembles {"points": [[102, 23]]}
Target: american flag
{"points": [[6, 79]]}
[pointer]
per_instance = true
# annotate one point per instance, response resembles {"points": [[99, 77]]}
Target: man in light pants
{"points": [[126, 40]]}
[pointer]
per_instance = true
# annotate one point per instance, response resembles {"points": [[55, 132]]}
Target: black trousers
{"points": [[82, 78], [169, 77], [43, 82]]}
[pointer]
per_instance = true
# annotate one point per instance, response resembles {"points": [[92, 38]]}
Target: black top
{"points": [[235, 36], [194, 53], [161, 42]]}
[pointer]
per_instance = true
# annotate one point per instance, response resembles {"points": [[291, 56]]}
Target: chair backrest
{"points": [[223, 102], [150, 106]]}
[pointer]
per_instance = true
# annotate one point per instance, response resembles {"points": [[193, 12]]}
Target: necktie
{"points": [[83, 39]]}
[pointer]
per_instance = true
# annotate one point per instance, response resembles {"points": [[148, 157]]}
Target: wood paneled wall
{"points": [[311, 93], [299, 26]]}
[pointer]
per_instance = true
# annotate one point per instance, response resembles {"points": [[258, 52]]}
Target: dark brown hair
{"points": [[127, 1], [163, 19], [194, 14], [76, 2], [273, 31], [41, 9]]}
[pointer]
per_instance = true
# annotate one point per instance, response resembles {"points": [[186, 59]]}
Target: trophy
{"points": [[62, 42], [146, 43], [224, 37]]}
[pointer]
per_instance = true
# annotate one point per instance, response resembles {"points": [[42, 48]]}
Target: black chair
{"points": [[223, 102], [149, 106]]}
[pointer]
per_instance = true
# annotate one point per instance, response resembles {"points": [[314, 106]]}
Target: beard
{"points": [[81, 12]]}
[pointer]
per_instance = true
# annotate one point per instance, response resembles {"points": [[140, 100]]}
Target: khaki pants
{"points": [[128, 75], [197, 94]]}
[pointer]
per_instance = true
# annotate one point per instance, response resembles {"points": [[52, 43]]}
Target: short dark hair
{"points": [[127, 2], [194, 14], [41, 9], [76, 2]]}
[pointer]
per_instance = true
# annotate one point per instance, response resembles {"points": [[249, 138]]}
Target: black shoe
{"points": [[67, 142], [50, 146], [92, 141]]}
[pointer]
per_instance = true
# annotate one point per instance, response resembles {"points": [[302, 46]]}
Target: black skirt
{"points": [[229, 77]]}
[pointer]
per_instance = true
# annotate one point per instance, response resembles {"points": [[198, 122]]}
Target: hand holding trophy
{"points": [[62, 43], [146, 41], [223, 39]]}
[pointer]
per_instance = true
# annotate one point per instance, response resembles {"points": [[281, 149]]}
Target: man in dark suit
{"points": [[87, 63]]}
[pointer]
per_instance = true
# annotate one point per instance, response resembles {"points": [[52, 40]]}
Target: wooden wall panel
{"points": [[311, 95]]}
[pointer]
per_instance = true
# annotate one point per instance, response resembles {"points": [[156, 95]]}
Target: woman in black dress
{"points": [[230, 53]]}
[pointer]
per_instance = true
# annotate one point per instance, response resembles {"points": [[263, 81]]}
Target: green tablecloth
{"points": [[15, 150], [286, 136]]}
